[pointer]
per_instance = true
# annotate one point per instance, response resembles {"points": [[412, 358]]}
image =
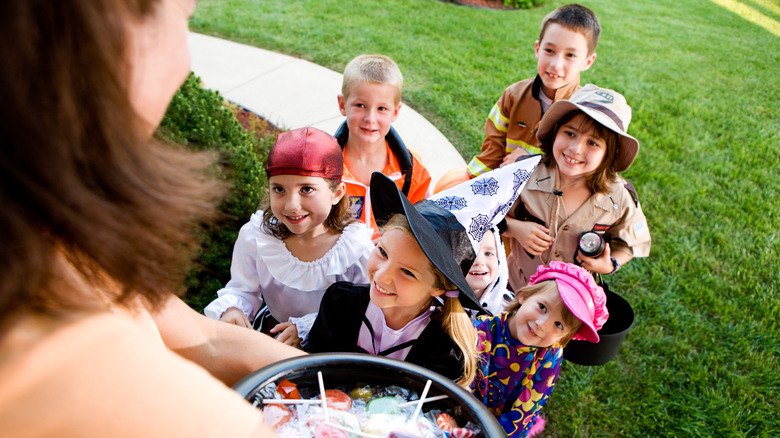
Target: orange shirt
{"points": [[360, 195]]}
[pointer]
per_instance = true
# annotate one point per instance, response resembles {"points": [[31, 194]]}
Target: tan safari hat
{"points": [[607, 107]]}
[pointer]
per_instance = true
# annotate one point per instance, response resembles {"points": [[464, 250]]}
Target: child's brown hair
{"points": [[605, 172], [340, 215], [577, 18]]}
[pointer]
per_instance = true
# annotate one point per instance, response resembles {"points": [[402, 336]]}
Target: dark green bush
{"points": [[523, 4], [201, 119]]}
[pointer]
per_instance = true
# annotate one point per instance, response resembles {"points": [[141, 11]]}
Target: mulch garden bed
{"points": [[490, 4], [254, 123]]}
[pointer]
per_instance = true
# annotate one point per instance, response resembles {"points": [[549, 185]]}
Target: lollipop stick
{"points": [[322, 395], [422, 400], [429, 399], [290, 401]]}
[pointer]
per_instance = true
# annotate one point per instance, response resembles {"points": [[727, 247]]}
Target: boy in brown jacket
{"points": [[565, 48]]}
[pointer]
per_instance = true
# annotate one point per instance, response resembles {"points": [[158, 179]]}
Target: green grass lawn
{"points": [[703, 356]]}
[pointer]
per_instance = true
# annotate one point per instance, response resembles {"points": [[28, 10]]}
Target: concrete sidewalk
{"points": [[293, 93]]}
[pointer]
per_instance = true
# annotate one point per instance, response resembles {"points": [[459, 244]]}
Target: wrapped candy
{"points": [[362, 393], [390, 411], [288, 390], [338, 400], [462, 432], [315, 416], [267, 392], [446, 422], [384, 405], [325, 431], [276, 415]]}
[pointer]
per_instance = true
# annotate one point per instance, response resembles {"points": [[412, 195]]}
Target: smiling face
{"points": [[159, 58], [539, 321], [577, 150], [561, 54], [303, 203], [485, 267], [402, 283], [370, 109]]}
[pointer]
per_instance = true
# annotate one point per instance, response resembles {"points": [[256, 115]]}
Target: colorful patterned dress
{"points": [[513, 380]]}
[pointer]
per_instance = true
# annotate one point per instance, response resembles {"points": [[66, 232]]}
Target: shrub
{"points": [[201, 119], [523, 4]]}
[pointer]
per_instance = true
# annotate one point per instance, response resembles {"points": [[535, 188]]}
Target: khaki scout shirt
{"points": [[614, 213], [513, 122]]}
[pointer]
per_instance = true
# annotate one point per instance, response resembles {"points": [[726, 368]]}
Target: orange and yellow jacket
{"points": [[404, 166], [513, 122]]}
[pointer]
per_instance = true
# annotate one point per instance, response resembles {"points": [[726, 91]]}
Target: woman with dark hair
{"points": [[97, 225]]}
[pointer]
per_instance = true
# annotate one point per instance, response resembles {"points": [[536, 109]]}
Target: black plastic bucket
{"points": [[347, 368], [611, 335]]}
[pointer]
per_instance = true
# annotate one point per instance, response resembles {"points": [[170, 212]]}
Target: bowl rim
{"points": [[278, 370]]}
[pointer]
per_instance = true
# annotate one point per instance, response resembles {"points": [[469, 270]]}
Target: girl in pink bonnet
{"points": [[521, 349]]}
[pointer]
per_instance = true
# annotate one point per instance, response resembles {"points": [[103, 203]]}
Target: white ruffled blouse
{"points": [[264, 269]]}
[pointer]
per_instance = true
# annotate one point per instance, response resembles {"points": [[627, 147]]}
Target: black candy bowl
{"points": [[345, 369], [611, 335]]}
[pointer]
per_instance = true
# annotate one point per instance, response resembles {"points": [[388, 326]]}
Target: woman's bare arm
{"points": [[227, 351]]}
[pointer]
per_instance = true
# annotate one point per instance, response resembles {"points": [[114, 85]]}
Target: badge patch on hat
{"points": [[604, 97]]}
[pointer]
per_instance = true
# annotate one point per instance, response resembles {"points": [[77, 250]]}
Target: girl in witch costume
{"points": [[413, 308]]}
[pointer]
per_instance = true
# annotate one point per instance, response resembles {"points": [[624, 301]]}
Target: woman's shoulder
{"points": [[112, 350]]}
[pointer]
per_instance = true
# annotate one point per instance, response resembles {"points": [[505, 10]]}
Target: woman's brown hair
{"points": [[340, 215], [598, 179], [79, 178]]}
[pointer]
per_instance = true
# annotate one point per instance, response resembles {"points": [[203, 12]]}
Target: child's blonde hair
{"points": [[340, 215], [526, 292], [378, 69], [454, 319], [577, 18]]}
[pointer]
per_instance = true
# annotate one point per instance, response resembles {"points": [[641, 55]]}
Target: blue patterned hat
{"points": [[481, 203]]}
